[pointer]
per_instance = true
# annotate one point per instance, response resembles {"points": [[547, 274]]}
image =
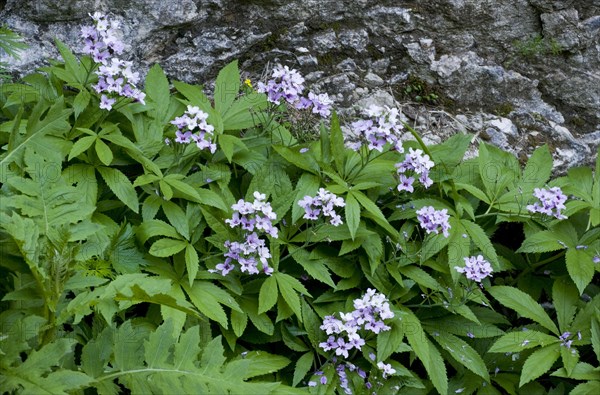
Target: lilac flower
{"points": [[324, 202], [564, 338], [383, 127], [476, 268], [551, 202], [286, 84], [192, 126], [368, 314], [418, 164], [433, 220], [321, 104], [115, 76], [596, 259], [387, 369]]}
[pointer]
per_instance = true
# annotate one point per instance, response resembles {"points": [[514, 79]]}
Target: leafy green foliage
{"points": [[115, 248]]}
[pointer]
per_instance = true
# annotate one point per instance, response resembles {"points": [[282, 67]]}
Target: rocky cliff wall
{"points": [[517, 73]]}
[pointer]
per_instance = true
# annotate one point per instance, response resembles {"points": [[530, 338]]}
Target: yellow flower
{"points": [[248, 82]]}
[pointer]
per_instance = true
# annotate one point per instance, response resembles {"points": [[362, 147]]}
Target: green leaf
{"points": [[157, 89], [244, 112], [522, 340], [420, 276], [288, 286], [565, 299], [482, 241], [432, 245], [191, 262], [227, 87], [580, 267], [352, 211], [104, 153], [228, 144], [538, 169], [523, 304], [307, 185], [177, 218], [338, 150], [376, 213], [81, 145], [212, 356], [158, 344], [81, 101], [539, 363], [121, 187], [303, 366], [268, 294], [302, 161], [202, 296], [315, 268], [544, 241], [239, 321], [388, 342], [595, 328], [167, 247], [463, 353], [155, 227], [258, 363]]}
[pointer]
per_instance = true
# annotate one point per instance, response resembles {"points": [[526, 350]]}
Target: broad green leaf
{"points": [[312, 324], [463, 353], [315, 268], [177, 218], [376, 213], [155, 227], [352, 210], [203, 299], [580, 267], [303, 161], [156, 348], [261, 363], [420, 276], [239, 321], [167, 247], [544, 241], [288, 286], [591, 387], [565, 299], [121, 187], [81, 145], [595, 328], [244, 112], [268, 294], [262, 322], [482, 241], [303, 366], [212, 356], [191, 262], [338, 150], [104, 153], [432, 245], [523, 304], [388, 342], [539, 363], [538, 169], [227, 87], [522, 340], [157, 89]]}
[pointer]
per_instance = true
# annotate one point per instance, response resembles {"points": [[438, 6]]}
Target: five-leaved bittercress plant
{"points": [[162, 240]]}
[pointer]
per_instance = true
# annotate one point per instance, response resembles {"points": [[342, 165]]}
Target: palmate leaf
{"points": [[170, 364]]}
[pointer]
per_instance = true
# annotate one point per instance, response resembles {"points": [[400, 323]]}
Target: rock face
{"points": [[519, 72]]}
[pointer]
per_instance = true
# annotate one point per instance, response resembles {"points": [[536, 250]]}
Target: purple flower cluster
{"points": [[418, 164], [369, 313], [433, 220], [321, 104], [252, 218], [115, 76], [288, 84], [324, 201], [565, 339], [476, 268], [386, 368], [383, 127], [192, 126], [552, 201]]}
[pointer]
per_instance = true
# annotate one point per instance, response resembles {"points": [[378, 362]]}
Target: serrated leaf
{"points": [[213, 356], [482, 241], [201, 296], [157, 347], [120, 185], [103, 151], [538, 169], [227, 87], [522, 340], [565, 299], [81, 145], [287, 287], [155, 227], [539, 363], [268, 295], [523, 304], [167, 247], [463, 353], [311, 324], [389, 341], [238, 322], [352, 211], [303, 366], [177, 218], [338, 150], [157, 89], [314, 267], [191, 262], [580, 267], [595, 329]]}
